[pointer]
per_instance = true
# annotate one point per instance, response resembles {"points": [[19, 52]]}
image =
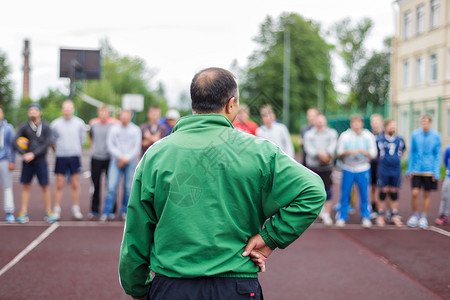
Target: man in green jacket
{"points": [[210, 203]]}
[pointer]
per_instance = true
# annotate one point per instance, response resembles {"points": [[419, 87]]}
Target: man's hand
{"points": [[324, 157], [122, 162], [11, 166], [258, 251], [27, 157]]}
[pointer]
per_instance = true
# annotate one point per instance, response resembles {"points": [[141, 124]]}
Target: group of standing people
{"points": [[117, 146], [369, 159]]}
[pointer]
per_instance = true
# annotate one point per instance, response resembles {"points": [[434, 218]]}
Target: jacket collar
{"points": [[201, 121]]}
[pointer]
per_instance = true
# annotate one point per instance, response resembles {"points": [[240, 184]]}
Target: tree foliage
{"points": [[309, 58], [372, 85], [120, 75], [350, 45], [6, 89]]}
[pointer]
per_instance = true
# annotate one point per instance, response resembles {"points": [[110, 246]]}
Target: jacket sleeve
{"points": [[140, 224], [82, 133], [412, 154], [437, 157], [19, 133], [447, 157], [296, 198], [340, 146], [137, 143], [331, 149], [373, 147], [10, 142], [111, 144], [310, 150]]}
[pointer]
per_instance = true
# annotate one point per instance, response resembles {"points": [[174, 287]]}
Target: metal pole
{"points": [[286, 75], [320, 78]]}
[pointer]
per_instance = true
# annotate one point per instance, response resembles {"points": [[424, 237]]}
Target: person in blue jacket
{"points": [[445, 201], [7, 160], [424, 164]]}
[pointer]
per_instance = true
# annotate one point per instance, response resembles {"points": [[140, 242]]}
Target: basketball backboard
{"points": [[79, 64]]}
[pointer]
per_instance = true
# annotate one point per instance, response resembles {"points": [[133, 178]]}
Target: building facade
{"points": [[420, 65]]}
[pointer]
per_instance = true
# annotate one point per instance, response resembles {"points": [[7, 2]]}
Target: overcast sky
{"points": [[175, 38]]}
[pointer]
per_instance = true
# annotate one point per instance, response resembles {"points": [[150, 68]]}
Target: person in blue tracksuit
{"points": [[424, 164]]}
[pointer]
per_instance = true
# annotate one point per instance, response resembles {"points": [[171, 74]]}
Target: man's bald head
{"points": [[211, 89]]}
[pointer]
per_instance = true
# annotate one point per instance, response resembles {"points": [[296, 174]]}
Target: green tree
{"points": [[51, 104], [6, 89], [350, 46], [372, 83], [309, 59], [120, 75]]}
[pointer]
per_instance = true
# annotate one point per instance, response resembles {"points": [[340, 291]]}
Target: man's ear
{"points": [[230, 104]]}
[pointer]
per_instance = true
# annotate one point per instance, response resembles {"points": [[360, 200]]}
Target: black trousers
{"points": [[98, 166], [205, 288]]}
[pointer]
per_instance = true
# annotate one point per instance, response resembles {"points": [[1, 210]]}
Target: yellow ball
{"points": [[23, 142]]}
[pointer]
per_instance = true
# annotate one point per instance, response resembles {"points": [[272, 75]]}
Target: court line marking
{"points": [[66, 224], [439, 230], [30, 247]]}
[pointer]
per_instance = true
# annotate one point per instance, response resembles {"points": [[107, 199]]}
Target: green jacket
{"points": [[199, 194]]}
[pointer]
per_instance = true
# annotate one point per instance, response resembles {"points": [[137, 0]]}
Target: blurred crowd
{"points": [[369, 159]]}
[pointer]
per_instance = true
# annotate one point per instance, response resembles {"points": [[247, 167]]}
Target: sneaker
{"points": [[412, 221], [423, 223], [373, 215], [23, 218], [351, 210], [326, 219], [397, 220], [49, 218], [92, 216], [442, 220], [103, 218], [123, 216], [76, 213], [10, 218], [380, 221], [111, 217], [57, 213], [340, 223], [366, 223]]}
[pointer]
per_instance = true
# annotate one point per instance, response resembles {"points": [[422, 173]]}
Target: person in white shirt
{"points": [[274, 131], [124, 144], [356, 147]]}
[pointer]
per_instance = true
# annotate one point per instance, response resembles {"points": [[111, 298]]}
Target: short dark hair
{"points": [[427, 116], [211, 89], [388, 121], [356, 117]]}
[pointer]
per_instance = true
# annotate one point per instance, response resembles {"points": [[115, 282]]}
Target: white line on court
{"points": [[439, 230], [65, 224], [30, 247]]}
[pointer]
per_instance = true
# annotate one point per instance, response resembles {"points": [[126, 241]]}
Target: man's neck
{"points": [[36, 121]]}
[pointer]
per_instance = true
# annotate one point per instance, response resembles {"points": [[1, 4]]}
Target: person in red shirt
{"points": [[242, 121]]}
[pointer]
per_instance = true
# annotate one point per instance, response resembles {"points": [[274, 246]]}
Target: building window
{"points": [[434, 14], [420, 71], [416, 119], [403, 124], [407, 25], [433, 67], [420, 19], [406, 73]]}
